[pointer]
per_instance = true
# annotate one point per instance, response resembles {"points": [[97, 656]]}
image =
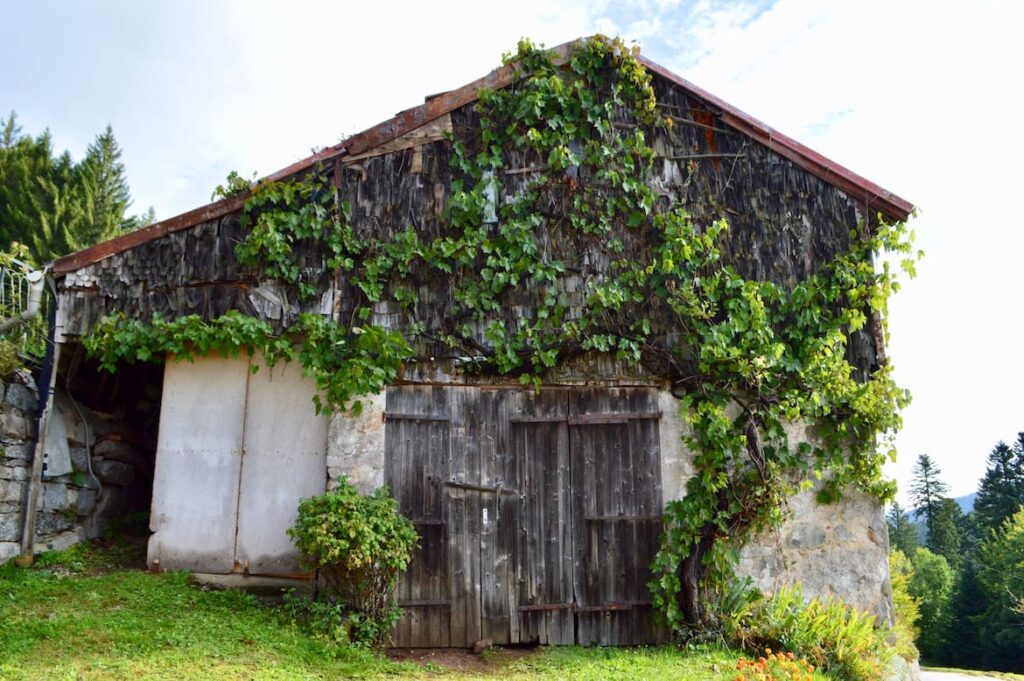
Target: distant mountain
{"points": [[966, 502]]}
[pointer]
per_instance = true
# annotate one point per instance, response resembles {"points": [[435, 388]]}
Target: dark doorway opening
{"points": [[112, 420]]}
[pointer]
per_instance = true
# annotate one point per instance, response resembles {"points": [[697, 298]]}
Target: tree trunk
{"points": [[691, 570]]}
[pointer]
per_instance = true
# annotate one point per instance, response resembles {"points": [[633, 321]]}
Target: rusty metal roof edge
{"points": [[406, 121], [889, 204]]}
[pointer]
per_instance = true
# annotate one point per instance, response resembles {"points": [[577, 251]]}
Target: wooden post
{"points": [[28, 536]]}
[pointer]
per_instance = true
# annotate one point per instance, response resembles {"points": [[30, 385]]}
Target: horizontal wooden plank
{"points": [[623, 417], [616, 606], [439, 603], [427, 522], [539, 419], [481, 488], [394, 416], [546, 606], [611, 518]]}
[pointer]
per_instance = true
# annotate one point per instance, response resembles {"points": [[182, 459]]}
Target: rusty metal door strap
{"points": [[492, 489]]}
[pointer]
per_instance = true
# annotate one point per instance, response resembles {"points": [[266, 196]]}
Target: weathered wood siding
{"points": [[785, 223], [539, 513]]}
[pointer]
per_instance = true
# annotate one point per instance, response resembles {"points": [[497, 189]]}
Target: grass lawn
{"points": [[85, 614]]}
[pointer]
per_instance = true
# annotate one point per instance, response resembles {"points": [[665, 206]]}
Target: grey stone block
{"points": [[18, 450], [17, 425], [116, 450], [112, 503], [114, 472], [12, 490], [59, 542], [79, 459], [53, 522], [807, 536], [20, 397], [10, 526], [57, 496], [24, 377], [8, 550], [18, 473], [86, 501]]}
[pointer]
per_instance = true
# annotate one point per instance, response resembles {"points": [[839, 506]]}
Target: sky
{"points": [[922, 98]]}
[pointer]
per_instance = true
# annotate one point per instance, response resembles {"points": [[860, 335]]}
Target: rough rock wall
{"points": [[72, 507], [839, 550]]}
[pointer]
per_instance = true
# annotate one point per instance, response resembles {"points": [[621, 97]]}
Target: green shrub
{"points": [[358, 545], [831, 635], [905, 605], [9, 360]]}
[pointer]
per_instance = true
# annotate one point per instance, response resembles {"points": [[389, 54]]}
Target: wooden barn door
{"points": [[538, 513], [539, 436], [616, 501], [419, 428]]}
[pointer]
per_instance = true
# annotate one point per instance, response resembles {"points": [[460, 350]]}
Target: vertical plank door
{"points": [[418, 429], [616, 501], [539, 433]]}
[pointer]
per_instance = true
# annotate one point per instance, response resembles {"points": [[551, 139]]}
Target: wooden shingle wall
{"points": [[784, 223]]}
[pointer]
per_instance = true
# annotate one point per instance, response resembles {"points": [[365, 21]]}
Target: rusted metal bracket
{"points": [[481, 488]]}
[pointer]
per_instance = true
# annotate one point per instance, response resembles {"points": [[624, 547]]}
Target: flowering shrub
{"points": [[775, 667]]}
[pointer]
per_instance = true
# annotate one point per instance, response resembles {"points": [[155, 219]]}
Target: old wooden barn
{"points": [[539, 510]]}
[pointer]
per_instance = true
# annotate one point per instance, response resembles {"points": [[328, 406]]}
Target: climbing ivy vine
{"points": [[748, 359]]}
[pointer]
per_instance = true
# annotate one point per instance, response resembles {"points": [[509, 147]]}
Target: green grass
{"points": [[84, 614], [699, 663]]}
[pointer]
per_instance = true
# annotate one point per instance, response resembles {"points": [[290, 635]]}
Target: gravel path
{"points": [[953, 676]]}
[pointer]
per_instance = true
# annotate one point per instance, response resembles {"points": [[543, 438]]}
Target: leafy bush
{"points": [[774, 667], [9, 360], [829, 635], [906, 606], [931, 583], [358, 545]]}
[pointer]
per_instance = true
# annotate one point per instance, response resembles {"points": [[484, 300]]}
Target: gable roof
{"points": [[875, 198]]}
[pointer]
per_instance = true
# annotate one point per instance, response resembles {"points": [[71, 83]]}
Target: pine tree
{"points": [[944, 535], [1001, 626], [966, 607], [902, 532], [104, 183], [926, 490], [1001, 491], [55, 206]]}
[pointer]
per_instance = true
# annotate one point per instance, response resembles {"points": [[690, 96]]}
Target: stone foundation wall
{"points": [[72, 507], [839, 550]]}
